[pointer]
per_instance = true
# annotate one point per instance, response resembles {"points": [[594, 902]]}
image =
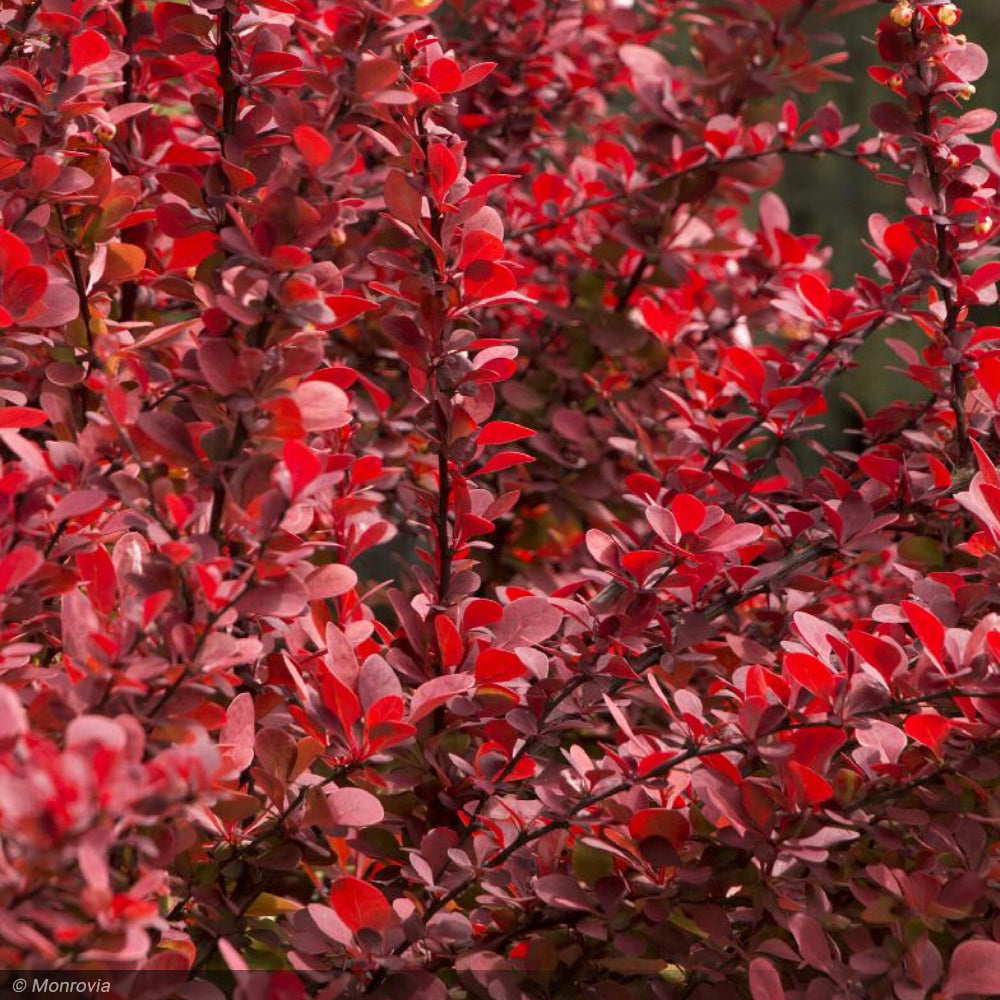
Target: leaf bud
{"points": [[902, 14], [948, 15]]}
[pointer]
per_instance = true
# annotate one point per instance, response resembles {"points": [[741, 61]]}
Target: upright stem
{"points": [[129, 289], [945, 266], [441, 524], [79, 283], [635, 279], [227, 79], [439, 400], [128, 70]]}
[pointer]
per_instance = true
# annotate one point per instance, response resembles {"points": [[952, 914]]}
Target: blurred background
{"points": [[833, 198]]}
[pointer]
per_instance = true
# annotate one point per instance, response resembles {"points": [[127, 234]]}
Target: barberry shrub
{"points": [[422, 575]]}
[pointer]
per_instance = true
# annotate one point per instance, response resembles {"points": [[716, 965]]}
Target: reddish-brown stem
{"points": [[227, 79], [946, 266]]}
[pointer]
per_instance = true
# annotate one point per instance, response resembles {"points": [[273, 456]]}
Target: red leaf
{"points": [[354, 807], [489, 183], [20, 417], [192, 250], [99, 571], [402, 199], [974, 970], [283, 598], [341, 701], [303, 466], [814, 788], [688, 511], [883, 655], [503, 460], [527, 621], [169, 433], [348, 308], [765, 983], [496, 666], [322, 406], [641, 562], [434, 693], [330, 581], [928, 728], [382, 735], [929, 629], [749, 370], [984, 276], [86, 49], [443, 170], [882, 470], [816, 295], [471, 525], [480, 612], [502, 432], [13, 718], [450, 643], [474, 74], [563, 892], [899, 241], [373, 75], [812, 674], [237, 734], [668, 824], [313, 146], [815, 746], [17, 566], [14, 253], [359, 905], [478, 244], [485, 279], [24, 289], [988, 376], [814, 946], [444, 75]]}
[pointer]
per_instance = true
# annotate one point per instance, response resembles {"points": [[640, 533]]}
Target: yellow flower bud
{"points": [[948, 15], [984, 226], [902, 14]]}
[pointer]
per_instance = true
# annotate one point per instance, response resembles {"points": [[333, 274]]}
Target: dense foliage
{"points": [[420, 572]]}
